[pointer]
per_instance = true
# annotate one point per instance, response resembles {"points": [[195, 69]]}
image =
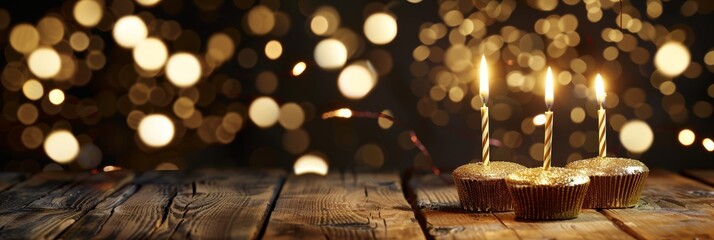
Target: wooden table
{"points": [[270, 204]]}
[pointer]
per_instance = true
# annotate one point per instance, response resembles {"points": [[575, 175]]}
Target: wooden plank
{"points": [[438, 204], [92, 222], [221, 205], [705, 176], [50, 215], [34, 188], [9, 179], [672, 207], [138, 216], [343, 206]]}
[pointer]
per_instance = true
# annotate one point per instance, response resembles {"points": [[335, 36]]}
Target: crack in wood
{"points": [[165, 213], [185, 210]]}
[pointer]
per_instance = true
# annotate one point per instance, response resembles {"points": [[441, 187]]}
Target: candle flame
{"points": [[600, 90], [549, 88], [483, 80]]}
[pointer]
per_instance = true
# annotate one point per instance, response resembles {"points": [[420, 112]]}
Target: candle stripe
{"points": [[602, 127], [485, 137], [548, 141]]}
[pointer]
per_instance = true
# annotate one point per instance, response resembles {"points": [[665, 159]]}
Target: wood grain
{"points": [[438, 204], [34, 188], [49, 215], [705, 176], [9, 179], [221, 205], [671, 207], [138, 216], [92, 222], [343, 206], [209, 204]]}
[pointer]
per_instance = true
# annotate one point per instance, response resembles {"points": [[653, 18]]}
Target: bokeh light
{"points": [[310, 164], [636, 136], [33, 89], [44, 62], [330, 54], [183, 69], [56, 96], [129, 31], [220, 48], [61, 146], [383, 122], [686, 137], [291, 116], [51, 30], [319, 25], [156, 130], [273, 49], [89, 157], [299, 68], [32, 137], [325, 21], [371, 155], [148, 3], [24, 38], [88, 13], [672, 58], [150, 54], [708, 144], [27, 114], [261, 20], [380, 28], [539, 120], [264, 112], [79, 41], [357, 80]]}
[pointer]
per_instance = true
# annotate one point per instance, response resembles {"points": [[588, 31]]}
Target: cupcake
{"points": [[482, 188], [614, 182], [540, 194]]}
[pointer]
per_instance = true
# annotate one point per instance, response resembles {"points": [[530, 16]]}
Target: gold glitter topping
{"points": [[600, 166], [554, 176], [494, 170]]}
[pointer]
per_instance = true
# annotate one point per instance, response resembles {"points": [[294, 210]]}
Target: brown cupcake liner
{"points": [[547, 202], [615, 191], [484, 195]]}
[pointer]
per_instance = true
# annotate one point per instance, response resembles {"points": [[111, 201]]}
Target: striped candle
{"points": [[485, 142], [548, 141], [602, 122], [483, 92], [601, 115]]}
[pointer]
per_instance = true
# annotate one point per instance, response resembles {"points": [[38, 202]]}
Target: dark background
{"points": [[338, 139]]}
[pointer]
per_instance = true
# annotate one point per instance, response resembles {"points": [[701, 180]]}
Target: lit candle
{"points": [[602, 120], [548, 141], [483, 88]]}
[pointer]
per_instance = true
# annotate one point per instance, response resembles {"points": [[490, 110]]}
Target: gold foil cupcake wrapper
{"points": [[482, 195], [547, 202], [616, 191]]}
